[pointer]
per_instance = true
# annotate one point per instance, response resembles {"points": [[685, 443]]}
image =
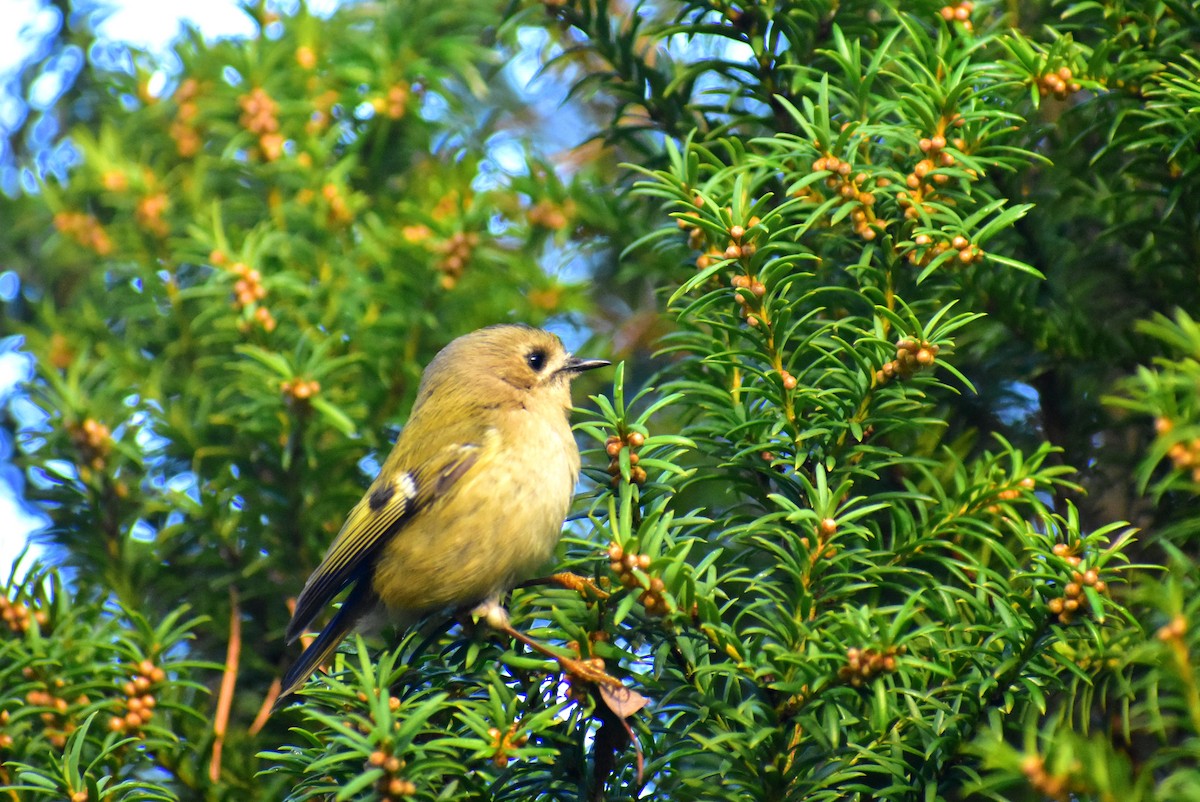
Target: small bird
{"points": [[470, 501]]}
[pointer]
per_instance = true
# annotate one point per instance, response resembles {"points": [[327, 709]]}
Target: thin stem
{"points": [[228, 683]]}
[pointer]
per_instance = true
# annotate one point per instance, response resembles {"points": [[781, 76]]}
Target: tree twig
{"points": [[228, 682]]}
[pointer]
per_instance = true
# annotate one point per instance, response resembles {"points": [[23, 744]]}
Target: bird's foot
{"points": [[495, 615]]}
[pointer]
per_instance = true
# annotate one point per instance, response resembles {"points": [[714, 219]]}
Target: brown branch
{"points": [[264, 712], [228, 682]]}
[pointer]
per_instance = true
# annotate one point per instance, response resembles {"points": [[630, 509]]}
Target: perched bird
{"points": [[471, 500]]}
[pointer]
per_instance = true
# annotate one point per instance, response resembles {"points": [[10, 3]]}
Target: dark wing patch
{"points": [[380, 496]]}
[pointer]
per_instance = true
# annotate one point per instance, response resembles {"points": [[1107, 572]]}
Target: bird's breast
{"points": [[494, 528]]}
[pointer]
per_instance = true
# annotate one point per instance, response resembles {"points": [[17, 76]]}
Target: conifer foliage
{"points": [[911, 262]]}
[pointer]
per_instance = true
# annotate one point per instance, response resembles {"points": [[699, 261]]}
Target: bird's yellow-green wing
{"points": [[390, 503]]}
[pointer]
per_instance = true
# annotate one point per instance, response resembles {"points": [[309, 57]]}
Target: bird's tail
{"points": [[358, 604]]}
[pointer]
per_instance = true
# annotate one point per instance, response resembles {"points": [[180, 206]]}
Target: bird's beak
{"points": [[578, 365]]}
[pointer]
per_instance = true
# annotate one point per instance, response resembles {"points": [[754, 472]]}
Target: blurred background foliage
{"points": [[905, 294]]}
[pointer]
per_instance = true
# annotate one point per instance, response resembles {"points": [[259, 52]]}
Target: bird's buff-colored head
{"points": [[497, 360]]}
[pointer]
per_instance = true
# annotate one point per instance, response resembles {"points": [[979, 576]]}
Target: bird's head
{"points": [[508, 360]]}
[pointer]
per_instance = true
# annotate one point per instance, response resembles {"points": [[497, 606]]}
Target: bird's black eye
{"points": [[536, 359]]}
